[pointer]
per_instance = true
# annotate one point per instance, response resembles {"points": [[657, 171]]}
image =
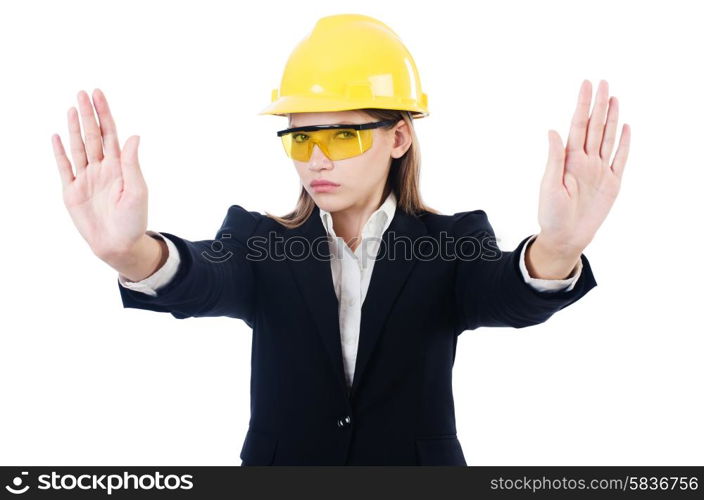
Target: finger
{"points": [[580, 118], [91, 130], [555, 168], [622, 151], [607, 145], [131, 173], [78, 150], [595, 130], [65, 171], [107, 124]]}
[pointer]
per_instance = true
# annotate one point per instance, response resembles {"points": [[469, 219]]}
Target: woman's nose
{"points": [[318, 158]]}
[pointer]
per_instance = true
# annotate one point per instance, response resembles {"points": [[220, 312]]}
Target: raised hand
{"points": [[579, 186], [581, 183], [106, 196]]}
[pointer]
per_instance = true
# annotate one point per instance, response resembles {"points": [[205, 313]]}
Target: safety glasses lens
{"points": [[336, 144]]}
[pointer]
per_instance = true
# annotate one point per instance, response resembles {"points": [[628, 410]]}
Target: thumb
{"points": [[554, 169], [131, 172]]}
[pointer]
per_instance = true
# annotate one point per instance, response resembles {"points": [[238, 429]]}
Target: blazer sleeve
{"points": [[489, 287], [214, 277]]}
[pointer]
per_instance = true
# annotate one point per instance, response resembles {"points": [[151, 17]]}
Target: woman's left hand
{"points": [[580, 184]]}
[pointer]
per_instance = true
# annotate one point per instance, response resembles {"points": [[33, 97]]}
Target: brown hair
{"points": [[403, 177]]}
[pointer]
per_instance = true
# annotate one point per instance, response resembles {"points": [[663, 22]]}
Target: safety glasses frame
{"points": [[357, 126]]}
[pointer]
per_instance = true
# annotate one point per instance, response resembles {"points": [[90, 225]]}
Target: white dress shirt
{"points": [[351, 273]]}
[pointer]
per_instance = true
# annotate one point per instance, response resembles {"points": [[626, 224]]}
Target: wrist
{"points": [[556, 248], [139, 261], [546, 260]]}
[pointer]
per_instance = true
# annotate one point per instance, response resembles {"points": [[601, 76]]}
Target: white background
{"points": [[614, 379]]}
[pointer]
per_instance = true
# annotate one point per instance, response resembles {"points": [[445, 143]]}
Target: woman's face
{"points": [[361, 178]]}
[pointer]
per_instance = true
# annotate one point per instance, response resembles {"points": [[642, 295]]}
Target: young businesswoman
{"points": [[357, 297]]}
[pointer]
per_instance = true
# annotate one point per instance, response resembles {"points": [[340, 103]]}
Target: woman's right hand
{"points": [[107, 196]]}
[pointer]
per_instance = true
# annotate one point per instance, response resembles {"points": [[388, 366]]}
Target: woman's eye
{"points": [[300, 137], [345, 134]]}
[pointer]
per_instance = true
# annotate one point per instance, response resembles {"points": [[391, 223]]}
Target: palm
{"points": [[580, 184], [107, 199]]}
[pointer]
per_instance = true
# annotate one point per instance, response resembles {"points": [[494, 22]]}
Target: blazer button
{"points": [[344, 422]]}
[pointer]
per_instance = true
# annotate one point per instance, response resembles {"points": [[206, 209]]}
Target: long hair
{"points": [[403, 178]]}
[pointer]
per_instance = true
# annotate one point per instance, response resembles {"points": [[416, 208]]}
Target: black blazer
{"points": [[400, 409]]}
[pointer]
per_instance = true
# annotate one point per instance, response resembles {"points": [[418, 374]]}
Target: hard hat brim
{"points": [[301, 104]]}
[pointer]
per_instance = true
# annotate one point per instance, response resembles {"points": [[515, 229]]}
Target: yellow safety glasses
{"points": [[337, 142]]}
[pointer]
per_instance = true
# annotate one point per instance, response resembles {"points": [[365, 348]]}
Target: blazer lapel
{"points": [[391, 269], [314, 278]]}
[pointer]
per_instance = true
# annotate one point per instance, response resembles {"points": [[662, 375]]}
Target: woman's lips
{"points": [[320, 186]]}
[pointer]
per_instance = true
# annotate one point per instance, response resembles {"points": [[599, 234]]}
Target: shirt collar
{"points": [[375, 225]]}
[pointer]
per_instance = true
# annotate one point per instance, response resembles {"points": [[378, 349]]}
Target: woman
{"points": [[353, 339]]}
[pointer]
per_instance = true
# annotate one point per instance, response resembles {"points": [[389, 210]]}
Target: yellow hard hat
{"points": [[349, 61]]}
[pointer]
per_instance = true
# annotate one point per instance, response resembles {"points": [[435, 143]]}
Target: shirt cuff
{"points": [[163, 275], [544, 285]]}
